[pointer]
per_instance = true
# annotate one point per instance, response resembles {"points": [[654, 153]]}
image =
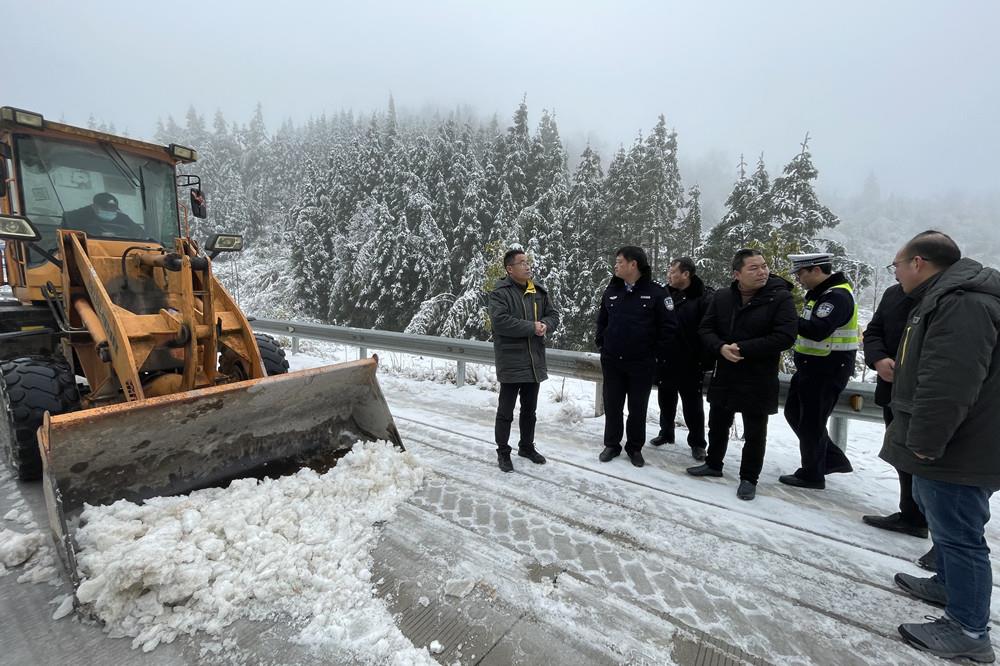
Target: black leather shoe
{"points": [[928, 560], [704, 470], [532, 455], [608, 454], [636, 459], [698, 452], [792, 480], [747, 490], [503, 461], [895, 523], [660, 440]]}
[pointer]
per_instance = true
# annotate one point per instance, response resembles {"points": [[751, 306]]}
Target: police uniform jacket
{"points": [[687, 354], [763, 327], [520, 354], [833, 309], [885, 330], [946, 393], [635, 325]]}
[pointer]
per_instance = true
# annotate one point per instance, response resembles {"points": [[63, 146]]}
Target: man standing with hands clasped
{"points": [[746, 327], [521, 314]]}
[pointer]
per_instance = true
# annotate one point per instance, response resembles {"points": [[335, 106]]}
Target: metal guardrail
{"points": [[856, 402]]}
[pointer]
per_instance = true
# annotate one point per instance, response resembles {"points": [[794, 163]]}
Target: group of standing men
{"points": [[671, 336], [932, 341]]}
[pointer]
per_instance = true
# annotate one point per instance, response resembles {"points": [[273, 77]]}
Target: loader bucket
{"points": [[177, 443]]}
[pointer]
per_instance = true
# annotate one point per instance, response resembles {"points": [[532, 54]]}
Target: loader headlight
{"points": [[22, 117], [183, 153], [225, 243], [17, 228]]}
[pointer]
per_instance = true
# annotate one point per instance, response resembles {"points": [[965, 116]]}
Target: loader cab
{"points": [[97, 188]]}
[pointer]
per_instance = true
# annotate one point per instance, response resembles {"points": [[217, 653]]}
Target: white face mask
{"points": [[107, 215]]}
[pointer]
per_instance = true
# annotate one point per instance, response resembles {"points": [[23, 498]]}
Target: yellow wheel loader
{"points": [[126, 369]]}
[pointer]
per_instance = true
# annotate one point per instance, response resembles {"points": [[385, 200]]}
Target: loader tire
{"points": [[29, 387], [272, 354]]}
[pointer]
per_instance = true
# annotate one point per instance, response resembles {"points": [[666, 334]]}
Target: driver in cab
{"points": [[103, 218]]}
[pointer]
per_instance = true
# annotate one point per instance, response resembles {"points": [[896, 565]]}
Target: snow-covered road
{"points": [[578, 561]]}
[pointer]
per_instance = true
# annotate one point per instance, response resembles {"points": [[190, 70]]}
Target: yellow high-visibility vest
{"points": [[845, 338]]}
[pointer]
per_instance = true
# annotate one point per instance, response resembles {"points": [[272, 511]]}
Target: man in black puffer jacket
{"points": [[880, 344], [522, 314], [634, 327], [746, 327], [681, 372]]}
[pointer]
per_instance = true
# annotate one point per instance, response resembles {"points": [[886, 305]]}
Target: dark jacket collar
{"points": [[775, 283], [832, 281], [695, 290], [507, 283], [619, 283]]}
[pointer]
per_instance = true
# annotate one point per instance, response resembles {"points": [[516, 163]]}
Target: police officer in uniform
{"points": [[825, 348], [635, 326]]}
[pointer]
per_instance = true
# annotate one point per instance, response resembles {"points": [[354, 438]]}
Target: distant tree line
{"points": [[401, 223]]}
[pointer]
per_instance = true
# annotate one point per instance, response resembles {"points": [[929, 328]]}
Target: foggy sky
{"points": [[907, 90]]}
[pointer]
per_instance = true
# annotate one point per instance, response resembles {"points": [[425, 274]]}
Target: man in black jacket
{"points": [[746, 327], [825, 349], [681, 372], [635, 326], [521, 314], [881, 342], [103, 218], [946, 416]]}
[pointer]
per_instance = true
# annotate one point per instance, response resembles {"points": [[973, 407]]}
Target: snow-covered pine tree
{"points": [[746, 219], [689, 236]]}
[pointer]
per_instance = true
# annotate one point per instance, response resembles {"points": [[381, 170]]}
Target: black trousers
{"points": [[629, 381], [811, 399], [720, 420], [907, 505], [526, 418], [686, 383]]}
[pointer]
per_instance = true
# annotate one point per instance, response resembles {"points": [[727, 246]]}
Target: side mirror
{"points": [[199, 207], [223, 243], [18, 228]]}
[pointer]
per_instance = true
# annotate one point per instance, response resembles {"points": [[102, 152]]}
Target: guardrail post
{"points": [[599, 399], [460, 374], [838, 431], [362, 352], [295, 344]]}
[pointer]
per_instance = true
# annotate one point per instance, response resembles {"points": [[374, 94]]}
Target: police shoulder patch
{"points": [[824, 310], [669, 302]]}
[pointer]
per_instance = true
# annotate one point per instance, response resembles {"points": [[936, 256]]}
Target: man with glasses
{"points": [[522, 315], [635, 326], [825, 349], [946, 416]]}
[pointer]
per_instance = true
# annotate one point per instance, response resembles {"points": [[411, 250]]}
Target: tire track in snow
{"points": [[444, 467]]}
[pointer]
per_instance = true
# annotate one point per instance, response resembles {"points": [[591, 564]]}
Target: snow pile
{"points": [[17, 548], [294, 548]]}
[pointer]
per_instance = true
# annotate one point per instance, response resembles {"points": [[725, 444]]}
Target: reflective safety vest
{"points": [[843, 339]]}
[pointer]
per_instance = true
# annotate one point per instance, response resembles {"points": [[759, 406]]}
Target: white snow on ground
{"points": [[767, 575], [295, 547], [30, 550], [736, 569]]}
